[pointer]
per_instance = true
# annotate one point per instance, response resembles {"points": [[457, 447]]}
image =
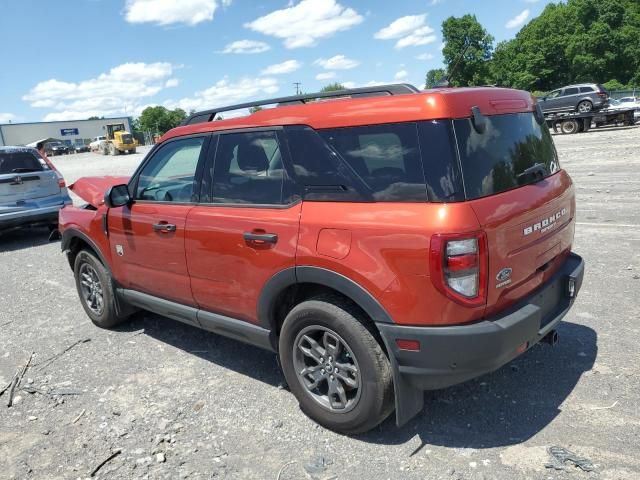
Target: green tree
{"points": [[576, 41], [332, 87], [159, 119], [614, 85], [433, 77], [466, 34]]}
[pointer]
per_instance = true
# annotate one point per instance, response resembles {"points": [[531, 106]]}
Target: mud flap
{"points": [[409, 399]]}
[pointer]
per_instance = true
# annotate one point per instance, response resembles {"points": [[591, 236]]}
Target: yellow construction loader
{"points": [[118, 140]]}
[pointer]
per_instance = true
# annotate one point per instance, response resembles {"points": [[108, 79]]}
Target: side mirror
{"points": [[117, 196]]}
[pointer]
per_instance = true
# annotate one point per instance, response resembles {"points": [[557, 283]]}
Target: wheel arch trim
{"points": [[319, 276], [70, 233]]}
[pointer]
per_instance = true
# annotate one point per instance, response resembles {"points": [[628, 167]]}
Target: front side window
{"points": [[248, 169], [386, 157], [169, 175]]}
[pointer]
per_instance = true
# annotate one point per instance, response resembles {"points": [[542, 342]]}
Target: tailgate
{"points": [[529, 233], [17, 188]]}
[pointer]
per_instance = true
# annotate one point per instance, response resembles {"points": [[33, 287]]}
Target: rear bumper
{"points": [[451, 355], [35, 216]]}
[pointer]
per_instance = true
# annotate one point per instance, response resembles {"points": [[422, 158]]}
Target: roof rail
{"points": [[378, 90]]}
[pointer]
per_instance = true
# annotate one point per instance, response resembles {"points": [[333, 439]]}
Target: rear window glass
{"points": [[496, 160], [386, 158], [19, 162]]}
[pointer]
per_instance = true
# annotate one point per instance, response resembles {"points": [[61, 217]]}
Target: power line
{"points": [[297, 85]]}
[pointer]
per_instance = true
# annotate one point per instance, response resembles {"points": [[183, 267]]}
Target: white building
{"points": [[70, 132]]}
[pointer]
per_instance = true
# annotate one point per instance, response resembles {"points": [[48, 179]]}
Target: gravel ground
{"points": [[179, 403]]}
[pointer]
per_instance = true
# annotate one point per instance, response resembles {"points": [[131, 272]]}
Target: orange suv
{"points": [[383, 241]]}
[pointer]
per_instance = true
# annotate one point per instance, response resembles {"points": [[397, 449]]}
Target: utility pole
{"points": [[297, 85]]}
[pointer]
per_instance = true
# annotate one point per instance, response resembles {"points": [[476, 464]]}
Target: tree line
{"points": [[577, 41]]}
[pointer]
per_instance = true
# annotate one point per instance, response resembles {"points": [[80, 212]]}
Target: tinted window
{"points": [[386, 158], [17, 162], [169, 175], [570, 91], [495, 160], [554, 94], [586, 90], [248, 169], [441, 168], [318, 169]]}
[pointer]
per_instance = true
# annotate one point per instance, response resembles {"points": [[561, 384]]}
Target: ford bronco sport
{"points": [[383, 241]]}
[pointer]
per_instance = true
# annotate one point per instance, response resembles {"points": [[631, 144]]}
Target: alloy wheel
{"points": [[327, 368], [92, 291]]}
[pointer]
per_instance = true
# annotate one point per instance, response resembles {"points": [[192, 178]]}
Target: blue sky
{"points": [[73, 59]]}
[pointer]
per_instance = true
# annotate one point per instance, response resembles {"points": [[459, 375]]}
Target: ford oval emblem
{"points": [[504, 275]]}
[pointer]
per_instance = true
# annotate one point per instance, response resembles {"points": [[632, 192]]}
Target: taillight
{"points": [[458, 265], [603, 95]]}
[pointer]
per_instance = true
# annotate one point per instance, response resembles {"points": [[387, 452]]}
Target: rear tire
{"points": [[347, 383], [569, 126], [584, 106], [95, 288]]}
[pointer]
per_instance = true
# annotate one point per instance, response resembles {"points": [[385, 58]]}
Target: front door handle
{"points": [[164, 227], [260, 237]]}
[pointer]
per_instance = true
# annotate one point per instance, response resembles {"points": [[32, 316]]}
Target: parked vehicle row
{"points": [[384, 244]]}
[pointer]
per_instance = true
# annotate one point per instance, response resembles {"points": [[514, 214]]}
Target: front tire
{"points": [[335, 367], [93, 282]]}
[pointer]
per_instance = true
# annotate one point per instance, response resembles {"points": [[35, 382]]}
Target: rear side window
{"points": [[248, 169], [586, 90], [496, 160], [570, 91], [19, 162], [385, 157]]}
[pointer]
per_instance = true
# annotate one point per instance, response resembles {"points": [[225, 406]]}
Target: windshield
{"points": [[506, 155]]}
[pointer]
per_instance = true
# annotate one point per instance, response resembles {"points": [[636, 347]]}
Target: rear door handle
{"points": [[260, 237], [164, 227]]}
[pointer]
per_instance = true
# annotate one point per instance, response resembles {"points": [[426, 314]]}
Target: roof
{"points": [[446, 103]]}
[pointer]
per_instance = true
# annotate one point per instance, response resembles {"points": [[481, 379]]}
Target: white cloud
{"points": [[410, 31], [225, 92], [166, 12], [422, 36], [172, 82], [518, 20], [282, 68], [401, 75], [326, 76], [246, 46], [303, 24], [425, 56], [116, 92], [338, 62], [401, 27], [7, 117], [436, 2]]}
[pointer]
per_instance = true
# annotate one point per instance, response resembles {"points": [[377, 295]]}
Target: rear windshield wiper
{"points": [[533, 174], [24, 170]]}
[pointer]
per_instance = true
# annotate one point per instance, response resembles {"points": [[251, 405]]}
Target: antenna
{"points": [[444, 83]]}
